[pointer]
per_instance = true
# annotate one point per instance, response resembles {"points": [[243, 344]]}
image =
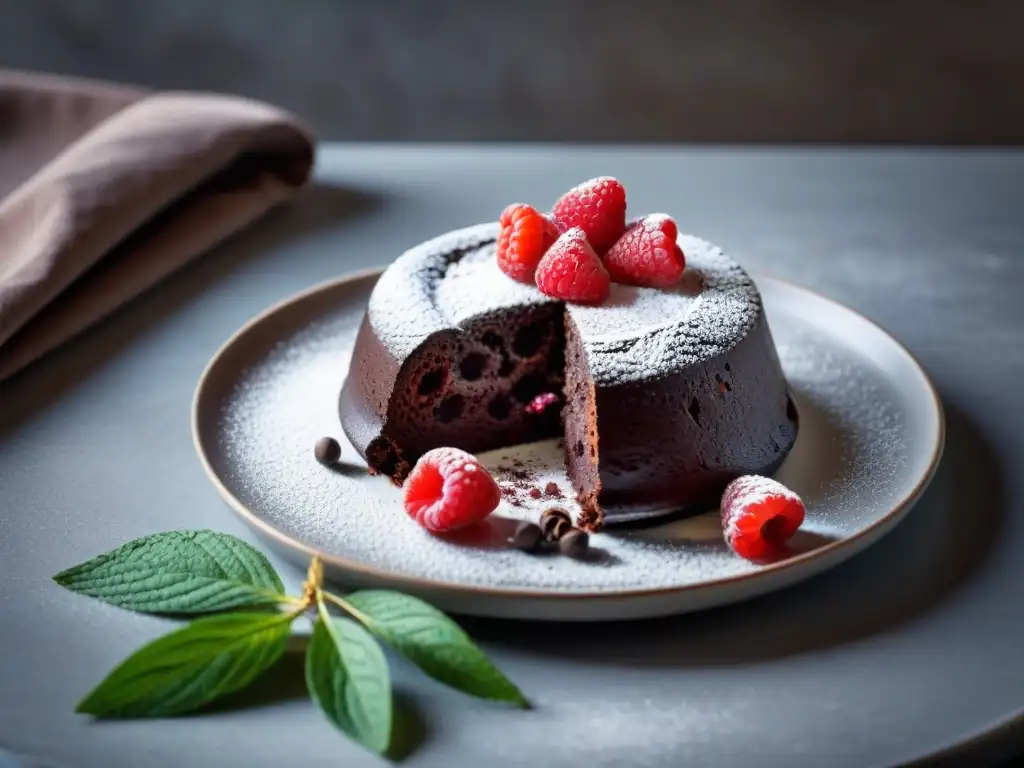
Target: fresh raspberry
{"points": [[647, 254], [598, 207], [524, 237], [759, 515], [571, 271], [449, 489]]}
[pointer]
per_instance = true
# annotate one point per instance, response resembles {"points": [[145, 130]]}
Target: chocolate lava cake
{"points": [[664, 395]]}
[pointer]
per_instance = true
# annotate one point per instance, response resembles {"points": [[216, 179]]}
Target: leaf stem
{"points": [[346, 606], [321, 609], [314, 578]]}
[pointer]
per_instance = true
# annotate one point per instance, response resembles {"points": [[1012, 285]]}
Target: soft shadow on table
{"points": [[315, 208], [935, 549], [999, 747], [409, 729], [286, 681]]}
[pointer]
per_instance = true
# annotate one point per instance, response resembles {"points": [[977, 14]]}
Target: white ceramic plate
{"points": [[871, 434]]}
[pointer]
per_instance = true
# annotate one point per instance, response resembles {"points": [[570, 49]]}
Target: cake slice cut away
{"points": [[668, 394]]}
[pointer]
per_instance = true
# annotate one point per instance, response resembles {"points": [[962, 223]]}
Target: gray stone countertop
{"points": [[904, 652]]}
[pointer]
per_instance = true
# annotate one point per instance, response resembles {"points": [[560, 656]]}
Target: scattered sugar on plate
{"points": [[846, 466]]}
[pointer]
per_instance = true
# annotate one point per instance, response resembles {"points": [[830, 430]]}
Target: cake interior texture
{"points": [[471, 389]]}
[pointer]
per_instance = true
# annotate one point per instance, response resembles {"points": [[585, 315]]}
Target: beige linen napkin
{"points": [[105, 190]]}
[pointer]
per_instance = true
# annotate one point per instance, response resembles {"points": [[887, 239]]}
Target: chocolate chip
{"points": [[555, 512], [555, 522], [552, 489], [527, 537], [561, 529], [548, 525], [555, 528], [535, 493], [574, 544], [327, 450]]}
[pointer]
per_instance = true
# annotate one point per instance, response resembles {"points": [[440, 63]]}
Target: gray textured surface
{"points": [[95, 448], [662, 70]]}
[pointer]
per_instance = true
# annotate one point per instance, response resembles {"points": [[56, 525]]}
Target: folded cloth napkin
{"points": [[105, 190]]}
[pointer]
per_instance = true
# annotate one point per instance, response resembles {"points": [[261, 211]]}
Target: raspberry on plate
{"points": [[598, 207], [647, 254], [572, 271], [524, 236], [759, 515], [449, 489]]}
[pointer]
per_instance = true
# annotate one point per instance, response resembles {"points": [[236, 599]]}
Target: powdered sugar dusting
{"points": [[652, 222], [712, 310], [474, 286], [403, 306], [630, 310], [452, 279], [847, 464], [751, 489], [747, 491]]}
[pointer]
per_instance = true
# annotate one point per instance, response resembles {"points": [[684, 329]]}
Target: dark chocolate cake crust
{"points": [[668, 395]]}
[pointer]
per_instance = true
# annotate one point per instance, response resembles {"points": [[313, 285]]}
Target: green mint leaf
{"points": [[434, 643], [179, 572], [347, 676], [191, 667]]}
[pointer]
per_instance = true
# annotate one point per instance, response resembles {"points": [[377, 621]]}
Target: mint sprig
{"points": [[204, 572], [179, 572], [191, 667], [347, 676], [433, 642]]}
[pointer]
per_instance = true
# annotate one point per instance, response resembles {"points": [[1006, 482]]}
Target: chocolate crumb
{"points": [[590, 518], [327, 450]]}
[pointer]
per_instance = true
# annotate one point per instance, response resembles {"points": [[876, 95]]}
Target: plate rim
{"points": [[855, 543]]}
